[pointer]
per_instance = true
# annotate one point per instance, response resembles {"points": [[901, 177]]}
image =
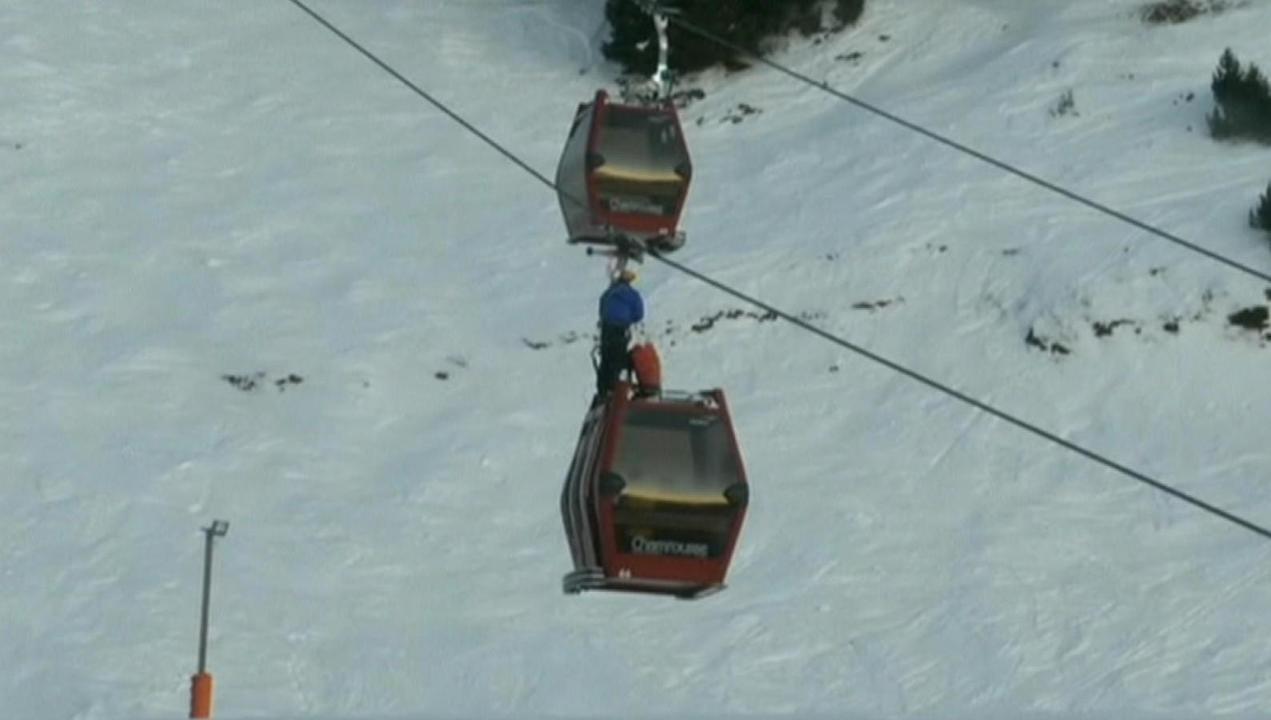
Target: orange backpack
{"points": [[648, 367]]}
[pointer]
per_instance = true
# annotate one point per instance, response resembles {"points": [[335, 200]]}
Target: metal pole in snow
{"points": [[201, 683]]}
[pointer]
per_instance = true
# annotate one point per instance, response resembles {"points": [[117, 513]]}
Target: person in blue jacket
{"points": [[620, 307]]}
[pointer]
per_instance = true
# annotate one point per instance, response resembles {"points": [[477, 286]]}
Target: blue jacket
{"points": [[621, 305]]}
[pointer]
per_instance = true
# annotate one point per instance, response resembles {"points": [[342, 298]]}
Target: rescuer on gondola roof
{"points": [[620, 307]]}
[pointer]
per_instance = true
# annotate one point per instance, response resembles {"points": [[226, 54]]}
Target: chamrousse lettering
{"points": [[645, 546]]}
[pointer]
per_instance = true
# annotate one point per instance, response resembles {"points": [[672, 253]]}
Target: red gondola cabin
{"points": [[625, 172], [655, 496]]}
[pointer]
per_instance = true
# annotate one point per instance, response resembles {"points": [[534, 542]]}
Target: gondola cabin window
{"points": [[675, 467], [643, 162]]}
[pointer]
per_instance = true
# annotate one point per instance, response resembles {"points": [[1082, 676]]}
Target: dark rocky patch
{"points": [[457, 361], [685, 98], [1064, 106], [876, 305], [1171, 326], [742, 111], [1206, 305], [246, 383], [1032, 339], [708, 322], [250, 382], [1250, 318], [1105, 329], [1172, 12]]}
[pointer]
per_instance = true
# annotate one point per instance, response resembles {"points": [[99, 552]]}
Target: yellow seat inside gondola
{"points": [[652, 496], [649, 192], [647, 175]]}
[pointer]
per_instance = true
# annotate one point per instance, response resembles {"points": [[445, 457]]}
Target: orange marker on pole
{"points": [[201, 684], [201, 696]]}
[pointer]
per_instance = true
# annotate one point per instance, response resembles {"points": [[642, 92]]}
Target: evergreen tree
{"points": [[1253, 85], [1260, 216], [847, 12], [1243, 98], [1227, 77], [745, 23]]}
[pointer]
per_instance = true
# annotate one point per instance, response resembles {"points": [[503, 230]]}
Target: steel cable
{"points": [[809, 327]]}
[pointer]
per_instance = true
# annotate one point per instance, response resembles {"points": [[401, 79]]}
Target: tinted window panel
{"points": [[677, 455], [676, 467], [641, 152]]}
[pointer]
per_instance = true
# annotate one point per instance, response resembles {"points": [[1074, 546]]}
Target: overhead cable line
{"points": [[959, 395], [805, 325], [960, 147], [420, 92]]}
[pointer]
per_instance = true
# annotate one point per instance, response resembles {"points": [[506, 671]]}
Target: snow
{"points": [[189, 192]]}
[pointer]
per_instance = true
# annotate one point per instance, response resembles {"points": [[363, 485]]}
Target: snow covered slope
{"points": [[190, 191]]}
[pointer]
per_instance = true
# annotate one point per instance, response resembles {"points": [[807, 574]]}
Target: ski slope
{"points": [[192, 191]]}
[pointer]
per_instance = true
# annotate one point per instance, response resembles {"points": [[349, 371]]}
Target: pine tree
{"points": [[633, 40], [1243, 101], [1260, 216], [746, 23], [847, 12], [1255, 88], [1225, 86], [1254, 83], [1227, 77]]}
